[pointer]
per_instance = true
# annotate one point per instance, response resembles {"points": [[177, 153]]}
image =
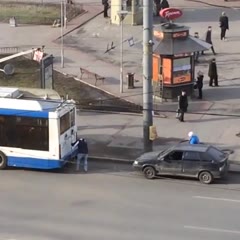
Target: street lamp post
{"points": [[61, 21], [122, 14], [65, 14]]}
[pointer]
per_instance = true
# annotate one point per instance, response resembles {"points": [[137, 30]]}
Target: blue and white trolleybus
{"points": [[36, 133]]}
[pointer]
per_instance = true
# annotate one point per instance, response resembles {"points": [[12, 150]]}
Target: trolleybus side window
{"points": [[72, 116], [64, 123], [24, 132]]}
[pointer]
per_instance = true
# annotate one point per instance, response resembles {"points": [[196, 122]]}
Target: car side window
{"points": [[205, 157], [176, 155], [191, 156]]}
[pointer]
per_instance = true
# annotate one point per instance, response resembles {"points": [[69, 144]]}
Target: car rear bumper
{"points": [[221, 174]]}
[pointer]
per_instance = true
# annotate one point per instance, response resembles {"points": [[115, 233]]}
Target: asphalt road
{"points": [[113, 202]]}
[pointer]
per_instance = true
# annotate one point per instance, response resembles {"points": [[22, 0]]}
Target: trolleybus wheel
{"points": [[3, 160]]}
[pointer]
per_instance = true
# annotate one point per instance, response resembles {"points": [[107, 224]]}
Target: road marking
{"points": [[217, 199], [212, 229]]}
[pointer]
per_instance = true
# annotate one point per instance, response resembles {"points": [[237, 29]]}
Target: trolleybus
{"points": [[36, 133]]}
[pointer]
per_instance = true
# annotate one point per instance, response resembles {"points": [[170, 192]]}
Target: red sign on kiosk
{"points": [[171, 13]]}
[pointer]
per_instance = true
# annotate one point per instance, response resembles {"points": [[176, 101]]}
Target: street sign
{"points": [[171, 13], [131, 42]]}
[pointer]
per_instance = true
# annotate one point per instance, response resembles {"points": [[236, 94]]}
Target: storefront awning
{"points": [[179, 46]]}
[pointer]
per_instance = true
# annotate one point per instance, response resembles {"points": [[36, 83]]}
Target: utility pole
{"points": [[62, 22], [147, 72], [65, 14]]}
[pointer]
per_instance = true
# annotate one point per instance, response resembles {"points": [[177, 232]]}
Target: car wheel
{"points": [[149, 172], [205, 177], [3, 160]]}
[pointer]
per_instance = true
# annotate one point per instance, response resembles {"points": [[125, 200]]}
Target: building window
{"points": [[65, 123], [24, 132]]}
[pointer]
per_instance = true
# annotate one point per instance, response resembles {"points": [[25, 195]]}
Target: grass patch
{"points": [[39, 14], [27, 74]]}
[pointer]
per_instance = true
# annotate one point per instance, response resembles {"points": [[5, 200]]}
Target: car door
{"points": [[172, 163], [191, 163]]}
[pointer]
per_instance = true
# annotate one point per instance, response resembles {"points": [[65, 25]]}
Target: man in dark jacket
{"points": [[164, 4], [223, 20], [199, 83], [208, 39], [105, 9], [212, 73], [182, 105], [82, 155], [157, 7]]}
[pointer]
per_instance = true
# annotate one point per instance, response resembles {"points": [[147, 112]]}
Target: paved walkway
{"points": [[218, 3], [119, 136]]}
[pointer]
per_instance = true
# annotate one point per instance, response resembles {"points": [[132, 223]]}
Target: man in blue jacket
{"points": [[82, 155], [193, 138]]}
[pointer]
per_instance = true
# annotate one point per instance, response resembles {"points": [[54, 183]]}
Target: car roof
{"points": [[191, 147]]}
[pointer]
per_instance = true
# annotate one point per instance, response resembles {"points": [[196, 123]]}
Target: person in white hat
{"points": [[224, 25], [193, 138]]}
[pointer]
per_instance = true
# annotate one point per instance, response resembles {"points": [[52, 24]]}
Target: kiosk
{"points": [[173, 59]]}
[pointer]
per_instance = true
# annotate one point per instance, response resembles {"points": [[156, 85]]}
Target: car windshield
{"points": [[215, 153]]}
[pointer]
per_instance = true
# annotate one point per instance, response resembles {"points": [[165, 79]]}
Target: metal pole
{"points": [[121, 55], [65, 14], [62, 50], [147, 72]]}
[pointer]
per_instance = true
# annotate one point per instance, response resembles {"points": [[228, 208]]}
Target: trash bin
{"points": [[13, 22], [130, 80]]}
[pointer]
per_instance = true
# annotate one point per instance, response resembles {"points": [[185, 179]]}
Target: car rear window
{"points": [[215, 153]]}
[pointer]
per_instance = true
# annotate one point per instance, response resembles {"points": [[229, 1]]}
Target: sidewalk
{"points": [[118, 137], [218, 3]]}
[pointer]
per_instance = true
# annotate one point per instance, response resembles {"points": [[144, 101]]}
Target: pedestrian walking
{"points": [[193, 138], [208, 39], [157, 7], [82, 155], [199, 84], [196, 54], [182, 105], [212, 73], [105, 8], [224, 25], [164, 4]]}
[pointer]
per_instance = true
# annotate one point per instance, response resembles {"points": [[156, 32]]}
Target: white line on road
{"points": [[212, 229], [217, 199]]}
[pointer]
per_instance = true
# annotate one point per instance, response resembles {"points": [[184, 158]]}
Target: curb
{"points": [[80, 25], [108, 159], [100, 89], [121, 113], [125, 161]]}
